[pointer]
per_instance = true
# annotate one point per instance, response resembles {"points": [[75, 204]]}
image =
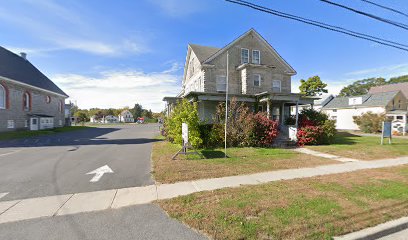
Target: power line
{"points": [[397, 24], [385, 7], [322, 25]]}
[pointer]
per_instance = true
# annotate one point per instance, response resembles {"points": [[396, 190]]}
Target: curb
{"points": [[378, 231]]}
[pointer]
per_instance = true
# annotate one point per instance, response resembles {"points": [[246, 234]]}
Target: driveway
{"points": [[58, 164]]}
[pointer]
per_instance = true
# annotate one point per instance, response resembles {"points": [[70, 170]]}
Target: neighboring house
{"points": [[69, 119], [257, 75], [403, 87], [318, 104], [110, 119], [393, 104], [94, 119], [28, 99], [126, 116]]}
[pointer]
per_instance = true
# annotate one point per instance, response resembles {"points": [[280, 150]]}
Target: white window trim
{"points": [[217, 84], [4, 97], [259, 78], [242, 59], [280, 85], [259, 54]]}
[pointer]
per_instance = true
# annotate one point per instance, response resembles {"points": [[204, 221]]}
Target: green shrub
{"points": [[184, 112], [329, 132], [318, 118], [212, 135], [370, 122], [240, 123]]}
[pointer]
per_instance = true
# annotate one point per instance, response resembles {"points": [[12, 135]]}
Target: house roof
{"points": [[289, 68], [403, 87], [203, 52], [21, 70], [368, 100], [324, 99]]}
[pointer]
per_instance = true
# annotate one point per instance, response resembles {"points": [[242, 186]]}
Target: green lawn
{"points": [[26, 134], [311, 208], [239, 161], [364, 147]]}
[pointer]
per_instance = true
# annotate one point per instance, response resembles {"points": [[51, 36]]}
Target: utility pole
{"points": [[226, 108]]}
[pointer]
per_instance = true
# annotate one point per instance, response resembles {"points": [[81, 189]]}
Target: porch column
{"points": [[283, 114], [268, 107], [297, 114]]}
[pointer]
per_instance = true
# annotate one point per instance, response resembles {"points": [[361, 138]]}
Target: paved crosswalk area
{"points": [[67, 204]]}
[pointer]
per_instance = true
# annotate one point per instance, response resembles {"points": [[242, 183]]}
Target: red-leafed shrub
{"points": [[310, 135], [265, 130]]}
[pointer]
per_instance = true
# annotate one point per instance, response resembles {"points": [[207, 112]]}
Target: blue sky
{"points": [[116, 53]]}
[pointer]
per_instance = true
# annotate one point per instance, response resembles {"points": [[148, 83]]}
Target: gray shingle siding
{"points": [[18, 76]]}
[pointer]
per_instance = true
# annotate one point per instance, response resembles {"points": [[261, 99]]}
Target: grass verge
{"points": [[27, 134], [239, 161], [313, 208], [364, 147]]}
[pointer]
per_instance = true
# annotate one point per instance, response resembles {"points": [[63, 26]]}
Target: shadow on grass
{"points": [[346, 138], [211, 154]]}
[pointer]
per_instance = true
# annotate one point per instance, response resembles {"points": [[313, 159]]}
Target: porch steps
{"points": [[283, 143]]}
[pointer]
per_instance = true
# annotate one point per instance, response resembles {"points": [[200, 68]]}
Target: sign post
{"points": [[185, 143], [386, 132]]}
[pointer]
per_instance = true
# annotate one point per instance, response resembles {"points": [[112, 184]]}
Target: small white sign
{"points": [[184, 132]]}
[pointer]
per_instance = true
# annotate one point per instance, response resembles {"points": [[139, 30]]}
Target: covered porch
{"points": [[278, 107]]}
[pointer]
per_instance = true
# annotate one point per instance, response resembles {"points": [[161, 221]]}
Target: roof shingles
{"points": [[369, 100], [19, 69]]}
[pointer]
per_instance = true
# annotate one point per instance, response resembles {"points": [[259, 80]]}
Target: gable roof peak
{"points": [[289, 68]]}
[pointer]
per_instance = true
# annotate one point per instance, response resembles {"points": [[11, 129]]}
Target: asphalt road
{"points": [[57, 164], [138, 222]]}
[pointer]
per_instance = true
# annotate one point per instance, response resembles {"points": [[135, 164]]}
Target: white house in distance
{"points": [[393, 104], [110, 119], [126, 116]]}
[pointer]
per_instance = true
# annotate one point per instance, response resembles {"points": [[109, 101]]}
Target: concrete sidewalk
{"points": [[67, 204]]}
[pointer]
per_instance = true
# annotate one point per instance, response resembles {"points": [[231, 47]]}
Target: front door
{"points": [[34, 124]]}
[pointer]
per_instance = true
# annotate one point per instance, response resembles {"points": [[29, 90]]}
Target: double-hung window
{"points": [[244, 55], [257, 80], [276, 85], [256, 57], [221, 82]]}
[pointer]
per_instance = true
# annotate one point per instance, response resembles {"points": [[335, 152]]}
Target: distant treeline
{"points": [[362, 87], [137, 111]]}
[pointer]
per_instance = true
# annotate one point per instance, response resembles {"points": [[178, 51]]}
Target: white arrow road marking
{"points": [[3, 194], [99, 172]]}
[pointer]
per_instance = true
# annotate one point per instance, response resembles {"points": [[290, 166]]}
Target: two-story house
{"points": [[28, 99], [126, 116], [257, 75]]}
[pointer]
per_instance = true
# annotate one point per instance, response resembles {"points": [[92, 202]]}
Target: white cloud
{"points": [[179, 8], [69, 30], [384, 71], [120, 88]]}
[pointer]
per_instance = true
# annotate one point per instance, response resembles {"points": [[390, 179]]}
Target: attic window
{"points": [[244, 55], [256, 57]]}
